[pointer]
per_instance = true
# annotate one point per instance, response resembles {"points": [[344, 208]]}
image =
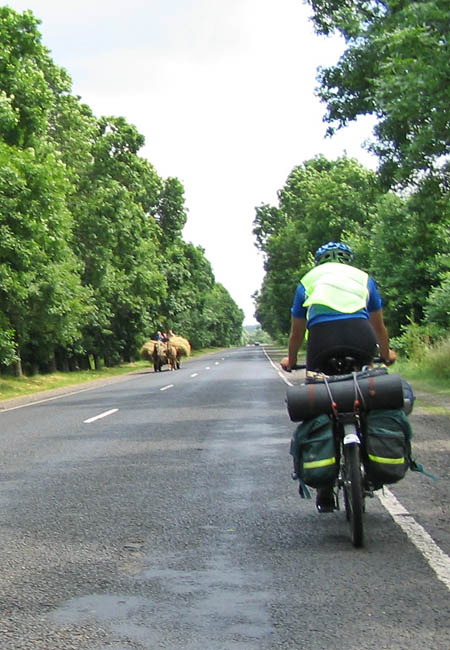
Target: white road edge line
{"points": [[167, 387], [102, 415], [425, 544], [436, 558], [48, 399], [286, 381]]}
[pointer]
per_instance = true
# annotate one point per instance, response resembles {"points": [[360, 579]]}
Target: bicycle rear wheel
{"points": [[353, 492]]}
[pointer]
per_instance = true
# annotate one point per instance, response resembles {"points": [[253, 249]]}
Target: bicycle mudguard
{"points": [[374, 392]]}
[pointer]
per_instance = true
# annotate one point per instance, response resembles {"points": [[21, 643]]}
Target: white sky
{"points": [[222, 90]]}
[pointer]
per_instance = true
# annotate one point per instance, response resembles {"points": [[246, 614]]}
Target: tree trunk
{"points": [[17, 368], [52, 364]]}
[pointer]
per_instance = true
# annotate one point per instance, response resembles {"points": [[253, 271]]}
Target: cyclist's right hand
{"points": [[392, 358]]}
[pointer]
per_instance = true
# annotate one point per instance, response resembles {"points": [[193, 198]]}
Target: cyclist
{"points": [[341, 308]]}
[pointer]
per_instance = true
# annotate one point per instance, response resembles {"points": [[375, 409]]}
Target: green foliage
{"points": [[437, 307], [436, 361], [196, 306], [321, 201], [430, 366], [268, 221], [396, 67], [41, 295], [8, 346], [171, 213], [28, 80], [222, 318], [413, 343], [255, 334], [397, 239], [91, 244]]}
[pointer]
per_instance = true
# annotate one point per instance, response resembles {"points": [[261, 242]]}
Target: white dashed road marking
{"points": [[101, 415]]}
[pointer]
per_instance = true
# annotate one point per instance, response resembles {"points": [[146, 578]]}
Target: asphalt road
{"points": [[171, 522]]}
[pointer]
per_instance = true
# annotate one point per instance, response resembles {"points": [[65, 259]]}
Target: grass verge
{"points": [[422, 378], [20, 386]]}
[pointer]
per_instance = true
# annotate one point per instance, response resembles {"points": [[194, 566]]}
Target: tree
{"points": [[90, 236], [222, 318], [29, 80], [42, 300], [396, 67], [189, 278], [171, 213], [320, 201], [117, 239]]}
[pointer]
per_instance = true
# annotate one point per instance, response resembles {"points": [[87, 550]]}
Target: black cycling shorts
{"points": [[349, 337]]}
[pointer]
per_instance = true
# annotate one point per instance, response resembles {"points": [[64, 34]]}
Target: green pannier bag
{"points": [[313, 448], [388, 445]]}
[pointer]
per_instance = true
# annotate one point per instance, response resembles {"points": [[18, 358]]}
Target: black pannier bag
{"points": [[387, 434], [313, 448], [375, 390]]}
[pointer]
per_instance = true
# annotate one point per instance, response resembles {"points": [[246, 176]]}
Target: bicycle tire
{"points": [[353, 493]]}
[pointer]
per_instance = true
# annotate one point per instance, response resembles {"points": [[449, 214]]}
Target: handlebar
{"points": [[386, 362], [298, 366]]}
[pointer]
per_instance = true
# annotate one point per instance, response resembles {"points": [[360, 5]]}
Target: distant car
{"points": [[256, 343]]}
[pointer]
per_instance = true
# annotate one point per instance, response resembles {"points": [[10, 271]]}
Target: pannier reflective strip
{"points": [[387, 461], [319, 463]]}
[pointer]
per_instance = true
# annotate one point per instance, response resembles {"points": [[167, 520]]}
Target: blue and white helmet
{"points": [[334, 252]]}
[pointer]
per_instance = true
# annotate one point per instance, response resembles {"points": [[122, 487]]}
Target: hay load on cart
{"points": [[182, 346], [159, 353]]}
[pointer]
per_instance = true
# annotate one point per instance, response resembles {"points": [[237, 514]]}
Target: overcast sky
{"points": [[222, 90]]}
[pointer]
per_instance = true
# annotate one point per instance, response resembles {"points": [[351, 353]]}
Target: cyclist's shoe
{"points": [[325, 501], [370, 487]]}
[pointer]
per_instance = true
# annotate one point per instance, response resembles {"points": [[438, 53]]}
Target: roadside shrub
{"points": [[437, 307], [8, 351], [413, 343], [437, 360]]}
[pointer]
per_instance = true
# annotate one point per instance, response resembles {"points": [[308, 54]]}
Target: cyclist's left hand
{"points": [[284, 363]]}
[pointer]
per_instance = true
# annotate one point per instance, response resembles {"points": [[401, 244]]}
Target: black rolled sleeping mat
{"points": [[378, 392]]}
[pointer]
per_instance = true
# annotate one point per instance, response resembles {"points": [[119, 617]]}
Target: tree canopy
{"points": [[390, 234], [396, 67], [320, 201], [93, 259]]}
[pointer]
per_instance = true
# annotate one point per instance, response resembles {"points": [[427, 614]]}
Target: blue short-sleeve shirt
{"points": [[321, 313]]}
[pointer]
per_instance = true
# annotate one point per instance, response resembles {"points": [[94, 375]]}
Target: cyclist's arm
{"points": [[377, 322], [298, 328]]}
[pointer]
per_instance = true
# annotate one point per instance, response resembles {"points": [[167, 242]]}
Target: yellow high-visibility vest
{"points": [[338, 286]]}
